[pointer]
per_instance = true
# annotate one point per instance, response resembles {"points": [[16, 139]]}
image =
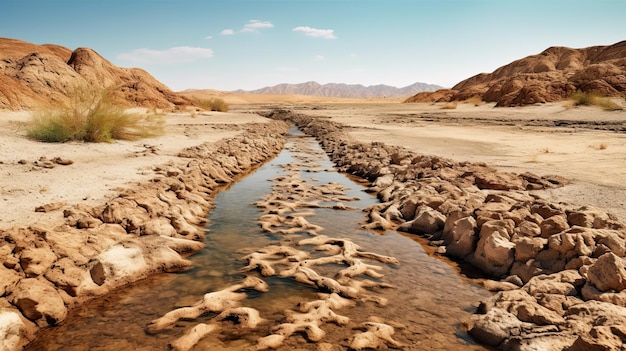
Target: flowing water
{"points": [[426, 306]]}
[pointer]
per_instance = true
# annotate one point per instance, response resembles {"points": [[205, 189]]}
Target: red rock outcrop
{"points": [[550, 76], [39, 75]]}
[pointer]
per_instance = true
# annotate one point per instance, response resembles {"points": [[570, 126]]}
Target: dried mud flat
{"points": [[552, 257]]}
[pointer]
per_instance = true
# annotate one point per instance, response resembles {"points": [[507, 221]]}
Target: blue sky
{"points": [[249, 44]]}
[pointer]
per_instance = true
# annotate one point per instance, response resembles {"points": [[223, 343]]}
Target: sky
{"points": [[250, 44]]}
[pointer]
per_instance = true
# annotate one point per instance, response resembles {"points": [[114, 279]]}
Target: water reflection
{"points": [[426, 307]]}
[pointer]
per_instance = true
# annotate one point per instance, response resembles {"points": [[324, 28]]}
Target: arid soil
{"points": [[586, 145], [77, 188]]}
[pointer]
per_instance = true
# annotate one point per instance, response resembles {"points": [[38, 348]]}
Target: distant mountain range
{"points": [[343, 90]]}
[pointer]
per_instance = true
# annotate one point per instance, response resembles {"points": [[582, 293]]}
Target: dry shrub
{"points": [[603, 146], [92, 116], [450, 105], [476, 100], [213, 104], [594, 99]]}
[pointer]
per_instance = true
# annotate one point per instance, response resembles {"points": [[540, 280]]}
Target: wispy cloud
{"points": [[208, 37], [316, 33], [319, 57], [252, 26], [175, 54]]}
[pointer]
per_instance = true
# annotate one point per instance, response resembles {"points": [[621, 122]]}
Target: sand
{"points": [[98, 169], [512, 139]]}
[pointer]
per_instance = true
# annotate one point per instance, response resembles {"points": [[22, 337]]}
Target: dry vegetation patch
{"points": [[91, 115]]}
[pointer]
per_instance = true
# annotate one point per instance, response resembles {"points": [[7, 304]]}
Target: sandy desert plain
{"points": [[585, 145], [584, 148]]}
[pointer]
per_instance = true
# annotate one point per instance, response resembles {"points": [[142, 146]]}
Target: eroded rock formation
{"points": [[33, 76], [552, 75]]}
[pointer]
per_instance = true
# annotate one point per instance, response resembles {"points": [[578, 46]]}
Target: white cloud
{"points": [[319, 57], [176, 54], [254, 26], [316, 33], [208, 37]]}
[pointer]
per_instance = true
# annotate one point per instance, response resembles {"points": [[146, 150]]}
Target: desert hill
{"points": [[550, 76], [37, 75], [343, 90]]}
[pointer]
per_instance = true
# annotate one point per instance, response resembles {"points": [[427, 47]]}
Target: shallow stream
{"points": [[426, 306]]}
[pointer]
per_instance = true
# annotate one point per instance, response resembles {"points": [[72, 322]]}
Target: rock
{"points": [[8, 277], [608, 273], [601, 338], [36, 261], [427, 221], [39, 301], [495, 326], [50, 207], [494, 252], [561, 283], [527, 248], [12, 330], [459, 236], [553, 225]]}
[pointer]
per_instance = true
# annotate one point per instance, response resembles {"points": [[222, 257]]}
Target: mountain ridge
{"points": [[342, 90], [550, 76], [34, 76]]}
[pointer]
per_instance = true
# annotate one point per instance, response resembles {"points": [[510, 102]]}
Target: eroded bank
{"points": [[560, 268], [148, 228]]}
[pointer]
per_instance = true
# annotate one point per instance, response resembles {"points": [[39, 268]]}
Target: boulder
{"points": [[427, 221], [553, 225], [36, 261], [39, 301], [12, 330], [494, 252], [608, 273], [459, 236], [528, 247]]}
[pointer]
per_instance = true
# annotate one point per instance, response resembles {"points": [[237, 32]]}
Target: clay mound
{"points": [[550, 76], [32, 76]]}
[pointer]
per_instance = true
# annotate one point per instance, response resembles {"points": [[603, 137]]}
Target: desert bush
{"points": [[450, 105], [476, 100], [213, 104], [594, 99], [91, 115]]}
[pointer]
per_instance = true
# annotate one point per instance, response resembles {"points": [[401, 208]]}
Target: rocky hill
{"points": [[552, 75], [33, 75], [344, 90]]}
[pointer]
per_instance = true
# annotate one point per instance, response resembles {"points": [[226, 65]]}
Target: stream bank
{"points": [[559, 269]]}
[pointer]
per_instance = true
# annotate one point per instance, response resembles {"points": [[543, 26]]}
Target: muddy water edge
{"points": [[426, 305]]}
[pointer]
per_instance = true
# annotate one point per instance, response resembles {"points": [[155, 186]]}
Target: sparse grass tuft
{"points": [[213, 104], [450, 105], [476, 100], [594, 99], [91, 116], [601, 146]]}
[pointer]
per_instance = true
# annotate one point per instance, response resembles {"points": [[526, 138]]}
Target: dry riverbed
{"points": [[94, 196]]}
